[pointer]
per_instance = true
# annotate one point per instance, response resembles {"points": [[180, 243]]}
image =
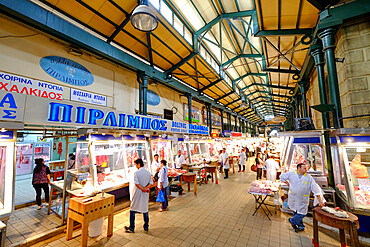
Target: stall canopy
{"points": [[240, 54]]}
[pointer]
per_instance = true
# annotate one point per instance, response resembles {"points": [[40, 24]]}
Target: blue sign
{"points": [[153, 98], [66, 70], [198, 129]]}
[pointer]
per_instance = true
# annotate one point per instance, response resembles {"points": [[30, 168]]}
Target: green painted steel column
{"points": [[328, 159], [145, 79], [296, 105], [222, 121], [229, 120], [302, 88], [327, 38], [189, 107], [140, 97], [318, 56], [209, 113], [236, 122]]}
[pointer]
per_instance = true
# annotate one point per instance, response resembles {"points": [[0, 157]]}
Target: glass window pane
{"points": [[166, 12], [178, 25], [188, 36]]}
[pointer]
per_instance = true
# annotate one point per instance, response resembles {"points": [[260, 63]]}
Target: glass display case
{"points": [[213, 151], [182, 146], [198, 151], [6, 174], [27, 153], [351, 165], [305, 146], [163, 149]]}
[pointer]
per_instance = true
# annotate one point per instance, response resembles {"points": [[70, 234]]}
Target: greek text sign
{"points": [[91, 98], [24, 85], [11, 107], [66, 70], [153, 98]]}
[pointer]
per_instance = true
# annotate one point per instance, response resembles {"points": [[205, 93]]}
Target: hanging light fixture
{"points": [[143, 18]]}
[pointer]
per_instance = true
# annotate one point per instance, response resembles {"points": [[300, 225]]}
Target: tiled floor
{"points": [[29, 222], [220, 215], [24, 191]]}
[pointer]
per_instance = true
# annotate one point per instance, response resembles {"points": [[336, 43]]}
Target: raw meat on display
{"points": [[358, 170], [363, 197]]}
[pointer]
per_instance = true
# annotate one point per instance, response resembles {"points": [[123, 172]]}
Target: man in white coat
{"points": [[180, 160], [242, 160], [155, 164], [271, 167], [300, 186], [140, 197], [225, 162]]}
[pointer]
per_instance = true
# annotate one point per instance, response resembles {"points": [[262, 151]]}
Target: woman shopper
{"points": [[163, 184], [259, 165], [41, 180]]}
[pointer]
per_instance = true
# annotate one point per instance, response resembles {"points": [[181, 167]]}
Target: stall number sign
{"points": [[23, 85], [11, 107]]}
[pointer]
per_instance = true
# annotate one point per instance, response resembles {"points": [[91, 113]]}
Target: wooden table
{"points": [[3, 227], [189, 177], [212, 170], [350, 224], [88, 212]]}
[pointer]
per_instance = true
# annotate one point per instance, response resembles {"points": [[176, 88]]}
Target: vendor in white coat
{"points": [[242, 160], [271, 168], [140, 196], [180, 160], [155, 164], [225, 162], [300, 186]]}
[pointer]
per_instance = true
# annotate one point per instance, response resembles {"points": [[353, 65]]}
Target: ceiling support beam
{"points": [[240, 56], [232, 102], [209, 85], [284, 71], [179, 64], [281, 96], [224, 96], [284, 32], [267, 85], [119, 28]]}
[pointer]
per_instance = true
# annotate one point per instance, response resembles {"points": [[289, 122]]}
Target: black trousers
{"points": [[226, 173], [240, 167], [38, 188], [259, 173]]}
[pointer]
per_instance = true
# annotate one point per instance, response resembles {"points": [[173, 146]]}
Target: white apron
{"points": [[140, 200], [271, 167], [299, 191]]}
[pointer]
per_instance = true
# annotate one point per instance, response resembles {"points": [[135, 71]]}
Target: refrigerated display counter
{"points": [[351, 165], [162, 147]]}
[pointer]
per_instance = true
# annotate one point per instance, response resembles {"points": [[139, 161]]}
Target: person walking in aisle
{"points": [[259, 163], [162, 184], [242, 160], [271, 168], [225, 162], [300, 186], [41, 180], [140, 197]]}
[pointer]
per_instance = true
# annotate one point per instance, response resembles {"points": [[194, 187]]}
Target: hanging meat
{"points": [[358, 170]]}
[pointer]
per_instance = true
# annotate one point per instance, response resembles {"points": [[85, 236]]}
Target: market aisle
{"points": [[221, 215]]}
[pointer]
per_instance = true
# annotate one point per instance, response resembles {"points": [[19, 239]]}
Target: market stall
{"points": [[162, 146], [351, 164]]}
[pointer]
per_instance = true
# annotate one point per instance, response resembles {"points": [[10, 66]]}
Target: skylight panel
{"points": [[177, 24], [190, 13], [155, 3], [166, 12]]}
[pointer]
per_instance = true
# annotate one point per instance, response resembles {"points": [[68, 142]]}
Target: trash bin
{"points": [[96, 227]]}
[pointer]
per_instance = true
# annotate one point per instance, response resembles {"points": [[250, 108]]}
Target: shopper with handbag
{"points": [[259, 164], [162, 184]]}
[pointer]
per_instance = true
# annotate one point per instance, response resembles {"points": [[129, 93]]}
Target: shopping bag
{"points": [[254, 168], [160, 197]]}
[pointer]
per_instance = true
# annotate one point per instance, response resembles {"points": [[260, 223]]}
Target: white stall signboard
{"points": [[86, 97]]}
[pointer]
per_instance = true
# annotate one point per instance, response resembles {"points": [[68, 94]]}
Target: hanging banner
{"points": [[195, 114], [23, 85], [216, 118]]}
